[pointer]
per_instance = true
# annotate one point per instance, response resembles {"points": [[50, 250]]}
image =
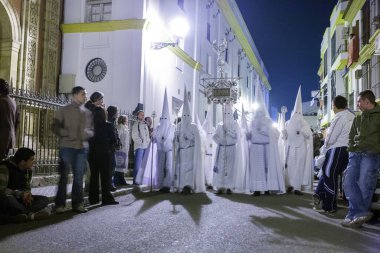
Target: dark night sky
{"points": [[288, 36]]}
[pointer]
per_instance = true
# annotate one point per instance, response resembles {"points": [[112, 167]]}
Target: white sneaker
{"points": [[346, 222], [60, 210]]}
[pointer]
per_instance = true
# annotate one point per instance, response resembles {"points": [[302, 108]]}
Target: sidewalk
{"points": [[51, 190]]}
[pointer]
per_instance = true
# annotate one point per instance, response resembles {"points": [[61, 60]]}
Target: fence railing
{"points": [[35, 115]]}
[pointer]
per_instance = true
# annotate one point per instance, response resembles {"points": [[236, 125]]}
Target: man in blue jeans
{"points": [[141, 140], [73, 124], [364, 160]]}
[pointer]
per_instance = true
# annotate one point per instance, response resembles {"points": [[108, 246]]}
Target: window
{"points": [[208, 64], [333, 85], [226, 55], [366, 75], [238, 69], [375, 75], [99, 10], [325, 96], [208, 25], [365, 24], [375, 15], [181, 4], [325, 64], [247, 82], [333, 49], [351, 101]]}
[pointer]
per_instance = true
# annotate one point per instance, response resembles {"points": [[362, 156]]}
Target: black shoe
{"points": [[107, 203], [186, 190], [165, 189], [219, 192], [209, 187], [297, 192], [229, 191], [289, 189], [267, 193], [113, 189], [19, 218], [94, 202], [256, 193]]}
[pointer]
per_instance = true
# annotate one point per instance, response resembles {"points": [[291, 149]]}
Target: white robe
{"points": [[147, 174], [265, 170], [298, 153], [226, 158], [209, 155], [164, 172], [189, 170]]}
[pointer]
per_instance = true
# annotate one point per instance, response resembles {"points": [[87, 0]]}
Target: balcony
{"points": [[336, 17], [340, 58]]}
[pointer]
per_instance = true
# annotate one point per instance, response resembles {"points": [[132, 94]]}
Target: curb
{"points": [[117, 193]]}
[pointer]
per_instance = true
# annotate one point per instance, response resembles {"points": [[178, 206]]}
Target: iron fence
{"points": [[35, 115]]}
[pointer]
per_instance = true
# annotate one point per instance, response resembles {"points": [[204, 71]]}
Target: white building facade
{"points": [[107, 46]]}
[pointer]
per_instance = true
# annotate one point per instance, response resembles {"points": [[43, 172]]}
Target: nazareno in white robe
{"points": [[265, 170], [298, 153], [210, 150], [189, 170], [227, 139]]}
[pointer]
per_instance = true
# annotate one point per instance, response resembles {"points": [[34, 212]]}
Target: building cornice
{"points": [[128, 24], [352, 9], [368, 50], [104, 26], [243, 40]]}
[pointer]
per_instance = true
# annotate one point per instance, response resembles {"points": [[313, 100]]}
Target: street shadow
{"points": [[290, 216], [10, 229], [192, 203]]}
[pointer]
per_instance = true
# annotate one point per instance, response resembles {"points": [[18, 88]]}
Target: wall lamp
{"points": [[178, 30]]}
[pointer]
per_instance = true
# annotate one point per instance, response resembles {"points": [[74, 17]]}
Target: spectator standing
{"points": [[73, 124], [359, 181], [111, 118], [8, 120], [96, 100], [335, 155], [141, 139], [17, 203], [122, 154], [100, 156]]}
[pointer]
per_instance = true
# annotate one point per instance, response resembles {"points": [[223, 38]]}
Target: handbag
{"points": [[121, 159]]}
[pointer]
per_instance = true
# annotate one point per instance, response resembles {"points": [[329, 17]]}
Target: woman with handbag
{"points": [[334, 157]]}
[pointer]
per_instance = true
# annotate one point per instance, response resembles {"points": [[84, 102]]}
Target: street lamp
{"points": [[178, 29]]}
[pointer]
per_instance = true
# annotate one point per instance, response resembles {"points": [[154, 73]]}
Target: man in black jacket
{"points": [[17, 204]]}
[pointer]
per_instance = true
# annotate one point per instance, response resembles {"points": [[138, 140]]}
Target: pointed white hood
{"points": [[261, 111], [164, 127], [298, 104], [244, 121], [186, 114], [207, 123]]}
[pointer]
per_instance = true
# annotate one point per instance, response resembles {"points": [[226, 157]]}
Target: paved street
{"points": [[154, 222]]}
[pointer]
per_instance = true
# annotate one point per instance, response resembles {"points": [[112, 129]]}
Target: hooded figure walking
{"points": [[189, 171], [298, 150], [163, 136], [227, 136], [265, 169]]}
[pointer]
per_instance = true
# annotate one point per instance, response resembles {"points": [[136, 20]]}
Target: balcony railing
{"points": [[341, 49]]}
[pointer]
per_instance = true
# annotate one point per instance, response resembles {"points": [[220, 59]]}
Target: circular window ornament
{"points": [[96, 70]]}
